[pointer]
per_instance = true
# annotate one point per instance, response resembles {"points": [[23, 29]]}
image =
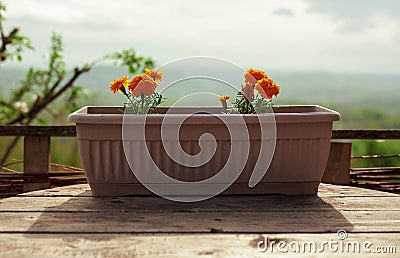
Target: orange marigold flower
{"points": [[119, 83], [157, 76], [224, 98], [248, 91], [267, 88], [135, 81], [252, 76], [142, 84]]}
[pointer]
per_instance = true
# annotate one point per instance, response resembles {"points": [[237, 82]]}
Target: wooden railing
{"points": [[37, 166], [70, 131], [379, 178], [37, 172], [391, 134]]}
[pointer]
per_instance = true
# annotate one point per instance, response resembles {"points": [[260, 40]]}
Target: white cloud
{"points": [[245, 32], [357, 15]]}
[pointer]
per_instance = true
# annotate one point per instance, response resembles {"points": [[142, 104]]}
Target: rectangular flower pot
{"points": [[300, 153]]}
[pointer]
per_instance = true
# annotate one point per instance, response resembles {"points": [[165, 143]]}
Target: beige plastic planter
{"points": [[303, 135]]}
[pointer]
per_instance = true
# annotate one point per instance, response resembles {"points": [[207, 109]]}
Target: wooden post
{"points": [[337, 170], [36, 162]]}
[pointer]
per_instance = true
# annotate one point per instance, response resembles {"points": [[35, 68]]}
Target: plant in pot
{"points": [[246, 146], [140, 91], [246, 101]]}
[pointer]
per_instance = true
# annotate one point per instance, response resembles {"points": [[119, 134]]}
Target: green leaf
{"points": [[129, 59], [41, 121]]}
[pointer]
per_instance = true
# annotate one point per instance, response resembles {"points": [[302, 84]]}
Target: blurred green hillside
{"points": [[365, 101]]}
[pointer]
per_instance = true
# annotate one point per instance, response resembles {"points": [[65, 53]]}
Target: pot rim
{"points": [[282, 114]]}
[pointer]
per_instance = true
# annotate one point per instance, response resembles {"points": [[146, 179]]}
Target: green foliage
{"points": [[130, 59], [38, 80], [142, 104], [13, 44], [75, 97], [380, 147], [14, 51], [41, 84], [3, 8], [56, 65], [372, 118], [244, 105]]}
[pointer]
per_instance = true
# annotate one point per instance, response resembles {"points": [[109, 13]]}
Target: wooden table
{"points": [[67, 221]]}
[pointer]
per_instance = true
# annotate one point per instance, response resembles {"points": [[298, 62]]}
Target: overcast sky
{"points": [[324, 35]]}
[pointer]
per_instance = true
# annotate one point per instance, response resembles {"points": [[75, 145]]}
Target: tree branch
{"points": [[42, 103], [6, 40]]}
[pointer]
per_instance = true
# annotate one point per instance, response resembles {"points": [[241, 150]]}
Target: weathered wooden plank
{"points": [[36, 161], [70, 131], [193, 245], [324, 190], [78, 190], [59, 131], [370, 211], [366, 134], [377, 156], [337, 170], [355, 171], [228, 221], [71, 223], [218, 204]]}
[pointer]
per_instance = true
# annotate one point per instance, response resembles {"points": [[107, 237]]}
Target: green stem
{"points": [[126, 94], [130, 100], [142, 103]]}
